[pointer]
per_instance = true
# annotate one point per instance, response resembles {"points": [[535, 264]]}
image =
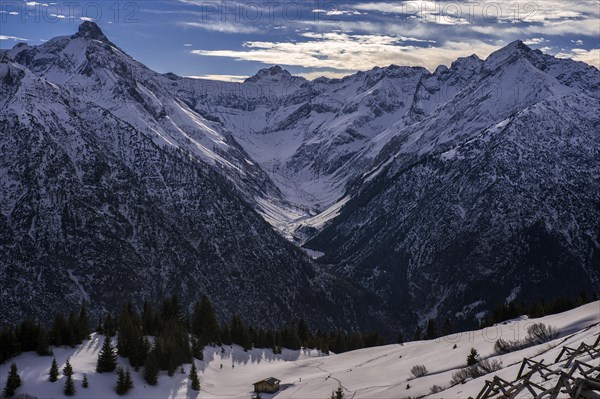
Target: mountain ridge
{"points": [[362, 171]]}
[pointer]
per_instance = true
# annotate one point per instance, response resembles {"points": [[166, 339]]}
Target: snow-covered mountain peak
{"points": [[90, 30], [274, 73], [507, 54], [472, 62]]}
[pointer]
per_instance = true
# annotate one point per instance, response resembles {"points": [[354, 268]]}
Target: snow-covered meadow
{"points": [[381, 372]]}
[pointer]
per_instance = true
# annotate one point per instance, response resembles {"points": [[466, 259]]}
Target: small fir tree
{"points": [[85, 382], [194, 378], [121, 382], [69, 386], [128, 380], [151, 369], [418, 334], [107, 360], [83, 323], [171, 367], [400, 338], [337, 394], [431, 331], [473, 357], [41, 347], [12, 382], [68, 369], [448, 327], [53, 371], [197, 349]]}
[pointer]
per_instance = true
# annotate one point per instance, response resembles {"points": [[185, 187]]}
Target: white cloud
{"points": [[541, 11], [223, 27], [35, 3], [59, 16], [577, 42], [535, 41], [343, 52], [187, 45], [435, 12], [591, 57], [224, 78], [334, 12], [15, 38], [9, 12], [86, 18], [499, 18]]}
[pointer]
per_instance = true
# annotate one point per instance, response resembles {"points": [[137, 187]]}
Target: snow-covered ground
{"points": [[381, 372]]}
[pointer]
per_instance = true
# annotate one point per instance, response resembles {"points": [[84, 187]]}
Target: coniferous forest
{"points": [[177, 337]]}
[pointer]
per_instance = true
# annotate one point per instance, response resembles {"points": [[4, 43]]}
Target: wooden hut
{"points": [[268, 385]]}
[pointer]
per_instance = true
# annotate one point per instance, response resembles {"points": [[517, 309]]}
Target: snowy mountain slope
{"points": [[315, 138], [380, 372], [497, 189], [97, 209], [303, 133], [96, 70]]}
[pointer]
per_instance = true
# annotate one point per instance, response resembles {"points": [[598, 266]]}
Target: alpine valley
{"points": [[372, 202]]}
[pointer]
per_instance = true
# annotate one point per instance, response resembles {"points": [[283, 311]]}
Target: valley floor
{"points": [[381, 372]]}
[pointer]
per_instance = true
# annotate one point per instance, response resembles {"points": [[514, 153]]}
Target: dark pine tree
{"points": [[431, 331], [140, 350], [171, 366], [473, 357], [128, 380], [303, 332], [448, 327], [83, 323], [12, 382], [194, 378], [149, 320], [121, 382], [27, 333], [151, 369], [53, 371], [204, 322], [9, 345], [42, 347], [400, 338], [85, 382], [69, 386], [58, 330], [68, 369], [72, 332], [197, 349], [107, 359], [110, 326], [338, 394], [418, 334]]}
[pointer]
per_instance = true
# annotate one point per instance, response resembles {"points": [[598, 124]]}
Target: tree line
{"points": [[177, 336], [30, 335], [507, 311]]}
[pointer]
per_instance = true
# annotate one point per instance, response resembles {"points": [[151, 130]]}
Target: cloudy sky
{"points": [[231, 40]]}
